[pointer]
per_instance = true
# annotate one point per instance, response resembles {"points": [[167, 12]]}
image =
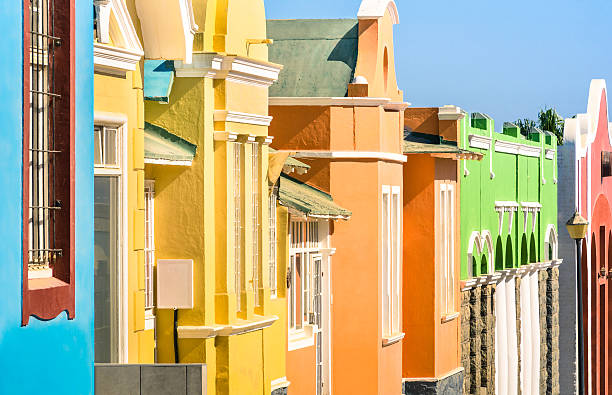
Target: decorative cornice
{"points": [[396, 106], [506, 206], [478, 141], [264, 140], [329, 101], [225, 136], [550, 153], [231, 68], [240, 327], [510, 147], [115, 60], [241, 117], [364, 155], [450, 113]]}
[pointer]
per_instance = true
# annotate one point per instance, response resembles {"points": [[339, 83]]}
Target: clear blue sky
{"points": [[504, 58]]}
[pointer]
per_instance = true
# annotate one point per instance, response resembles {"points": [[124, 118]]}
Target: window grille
{"points": [[149, 242], [238, 224], [386, 262], [446, 242], [256, 204], [272, 258], [44, 204]]}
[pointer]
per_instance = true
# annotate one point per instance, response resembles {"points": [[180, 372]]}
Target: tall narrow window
{"points": [[238, 193], [446, 250], [386, 260], [272, 258], [396, 254], [48, 160], [149, 246], [256, 166]]}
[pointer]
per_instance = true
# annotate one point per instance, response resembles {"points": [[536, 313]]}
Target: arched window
{"points": [[474, 252], [488, 247], [551, 247]]}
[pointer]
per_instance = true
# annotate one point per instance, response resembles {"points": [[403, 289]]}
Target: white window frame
{"points": [[149, 254], [391, 260], [119, 122], [304, 246], [446, 247]]}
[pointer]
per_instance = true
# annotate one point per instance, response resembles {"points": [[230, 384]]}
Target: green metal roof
{"points": [[158, 80], [308, 200], [292, 162], [159, 144], [319, 56]]}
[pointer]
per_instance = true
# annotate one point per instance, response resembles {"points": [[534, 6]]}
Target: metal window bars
{"points": [[255, 205], [238, 225], [42, 153], [272, 251], [149, 242]]}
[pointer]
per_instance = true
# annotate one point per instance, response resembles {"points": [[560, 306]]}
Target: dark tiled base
{"points": [[451, 385]]}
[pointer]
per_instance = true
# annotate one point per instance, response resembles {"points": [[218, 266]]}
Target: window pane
{"points": [[105, 265], [110, 147], [97, 146]]}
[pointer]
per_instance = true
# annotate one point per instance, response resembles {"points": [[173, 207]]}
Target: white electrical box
{"points": [[175, 283]]}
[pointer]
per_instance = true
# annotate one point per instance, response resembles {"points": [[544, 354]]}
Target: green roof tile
{"points": [[308, 200]]}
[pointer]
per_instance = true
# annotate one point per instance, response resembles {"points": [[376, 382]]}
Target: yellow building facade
{"points": [[206, 171], [124, 330]]}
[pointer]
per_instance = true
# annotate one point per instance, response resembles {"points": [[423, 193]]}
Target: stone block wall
{"points": [[478, 340], [548, 284]]}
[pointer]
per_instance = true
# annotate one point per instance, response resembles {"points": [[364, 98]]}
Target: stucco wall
{"points": [[59, 352]]}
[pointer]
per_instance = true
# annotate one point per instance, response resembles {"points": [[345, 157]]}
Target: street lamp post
{"points": [[577, 228]]}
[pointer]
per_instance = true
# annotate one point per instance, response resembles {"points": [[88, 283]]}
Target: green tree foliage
{"points": [[548, 119]]}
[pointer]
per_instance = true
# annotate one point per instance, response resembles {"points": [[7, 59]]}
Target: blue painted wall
{"points": [[52, 357]]}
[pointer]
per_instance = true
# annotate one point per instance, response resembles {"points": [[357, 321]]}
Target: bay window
{"points": [[48, 160]]}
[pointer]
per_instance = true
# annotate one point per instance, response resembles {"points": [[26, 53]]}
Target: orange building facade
{"points": [[337, 107], [431, 356]]}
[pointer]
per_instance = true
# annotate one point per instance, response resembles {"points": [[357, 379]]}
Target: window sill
{"points": [[449, 317], [45, 283], [389, 340], [301, 338]]}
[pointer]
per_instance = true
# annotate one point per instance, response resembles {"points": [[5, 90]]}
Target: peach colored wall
{"points": [[419, 280], [302, 371], [422, 120], [309, 125]]}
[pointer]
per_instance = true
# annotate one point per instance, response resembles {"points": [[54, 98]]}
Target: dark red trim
{"points": [[26, 155], [47, 298]]}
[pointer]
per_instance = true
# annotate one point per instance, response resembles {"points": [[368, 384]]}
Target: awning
{"points": [[164, 148], [308, 200], [434, 145], [158, 80]]}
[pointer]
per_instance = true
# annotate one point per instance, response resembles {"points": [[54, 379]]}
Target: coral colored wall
{"points": [[301, 371], [56, 356]]}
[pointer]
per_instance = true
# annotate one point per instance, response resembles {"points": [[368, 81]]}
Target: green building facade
{"points": [[509, 265]]}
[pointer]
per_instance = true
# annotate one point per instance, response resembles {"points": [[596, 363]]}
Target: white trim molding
{"points": [[235, 69], [389, 340], [502, 207], [532, 208], [241, 117], [329, 101], [238, 328], [396, 106], [167, 162], [126, 51], [375, 9], [450, 113], [347, 155], [510, 147], [478, 141], [550, 154], [108, 59], [225, 136], [279, 383]]}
